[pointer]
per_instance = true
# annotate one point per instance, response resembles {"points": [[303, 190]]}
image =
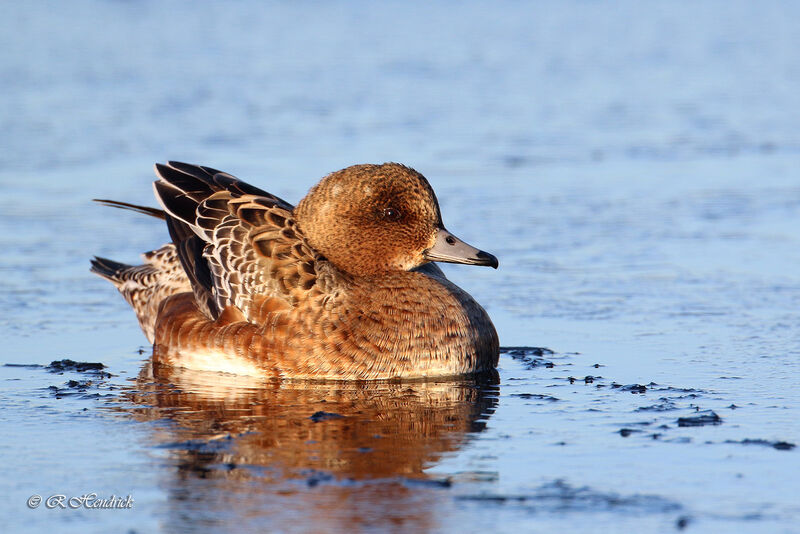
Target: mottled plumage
{"points": [[338, 288], [146, 286]]}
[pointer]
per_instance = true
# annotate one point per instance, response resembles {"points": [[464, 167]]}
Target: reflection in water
{"points": [[306, 456]]}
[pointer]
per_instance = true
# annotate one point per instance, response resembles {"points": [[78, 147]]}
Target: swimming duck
{"points": [[340, 287]]}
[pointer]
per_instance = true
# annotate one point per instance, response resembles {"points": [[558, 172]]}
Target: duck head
{"points": [[373, 219]]}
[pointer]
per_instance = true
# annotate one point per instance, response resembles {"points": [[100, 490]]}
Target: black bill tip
{"points": [[484, 258]]}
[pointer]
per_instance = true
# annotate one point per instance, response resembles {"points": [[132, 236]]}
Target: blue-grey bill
{"points": [[450, 249]]}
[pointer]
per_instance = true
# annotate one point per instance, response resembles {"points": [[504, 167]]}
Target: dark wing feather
{"points": [[251, 246], [190, 253]]}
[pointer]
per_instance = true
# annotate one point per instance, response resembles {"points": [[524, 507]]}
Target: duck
{"points": [[344, 286]]}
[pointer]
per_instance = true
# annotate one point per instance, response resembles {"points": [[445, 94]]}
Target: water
{"points": [[633, 167]]}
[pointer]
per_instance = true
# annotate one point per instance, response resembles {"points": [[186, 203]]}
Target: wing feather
{"points": [[239, 245]]}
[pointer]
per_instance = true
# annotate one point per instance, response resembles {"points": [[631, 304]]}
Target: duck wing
{"points": [[240, 246]]}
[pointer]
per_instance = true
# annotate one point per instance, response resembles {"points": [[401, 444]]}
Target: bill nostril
{"points": [[450, 240]]}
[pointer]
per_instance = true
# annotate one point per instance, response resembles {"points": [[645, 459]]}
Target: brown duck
{"points": [[340, 287]]}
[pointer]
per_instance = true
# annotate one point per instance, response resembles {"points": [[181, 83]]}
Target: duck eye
{"points": [[391, 214]]}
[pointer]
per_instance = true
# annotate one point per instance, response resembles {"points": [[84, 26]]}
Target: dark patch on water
{"points": [[664, 405], [707, 417], [80, 388], [73, 388], [199, 445], [435, 483], [588, 379], [324, 416], [314, 477], [537, 396], [67, 365], [778, 445], [633, 388], [560, 496], [531, 357], [526, 351], [24, 365]]}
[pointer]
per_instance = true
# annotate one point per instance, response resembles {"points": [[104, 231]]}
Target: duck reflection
{"points": [[307, 456]]}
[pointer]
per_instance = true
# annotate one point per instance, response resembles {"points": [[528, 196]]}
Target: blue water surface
{"points": [[634, 166]]}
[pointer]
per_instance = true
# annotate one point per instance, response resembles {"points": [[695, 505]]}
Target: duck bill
{"points": [[450, 249]]}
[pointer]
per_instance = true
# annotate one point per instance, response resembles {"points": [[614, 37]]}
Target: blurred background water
{"points": [[634, 166]]}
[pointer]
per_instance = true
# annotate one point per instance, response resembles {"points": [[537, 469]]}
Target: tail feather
{"points": [[145, 286], [109, 269], [153, 212]]}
